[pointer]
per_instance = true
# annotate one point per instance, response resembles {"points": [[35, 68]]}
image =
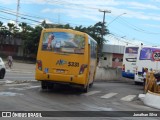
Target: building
{"points": [[112, 56], [11, 46]]}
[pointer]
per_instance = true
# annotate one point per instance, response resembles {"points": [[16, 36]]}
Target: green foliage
{"points": [[96, 33], [32, 40], [30, 36]]}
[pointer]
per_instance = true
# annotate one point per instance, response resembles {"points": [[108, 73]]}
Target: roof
{"points": [[113, 49]]}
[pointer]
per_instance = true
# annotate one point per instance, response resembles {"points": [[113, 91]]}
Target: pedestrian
{"points": [[10, 61], [145, 77]]}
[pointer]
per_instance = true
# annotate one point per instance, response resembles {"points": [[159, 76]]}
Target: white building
{"points": [[113, 56]]}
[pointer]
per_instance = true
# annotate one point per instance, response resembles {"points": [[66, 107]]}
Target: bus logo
{"points": [[61, 62]]}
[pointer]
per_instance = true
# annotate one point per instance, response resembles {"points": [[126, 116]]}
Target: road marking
{"points": [[19, 77], [128, 98], [22, 84], [8, 81], [24, 88], [91, 93], [19, 71], [109, 95], [9, 94]]}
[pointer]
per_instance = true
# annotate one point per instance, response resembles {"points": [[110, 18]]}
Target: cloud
{"points": [[89, 8], [76, 13], [155, 0], [138, 5], [7, 1], [121, 41]]}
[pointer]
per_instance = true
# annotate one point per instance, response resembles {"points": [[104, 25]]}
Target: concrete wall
{"points": [[108, 61], [105, 74]]}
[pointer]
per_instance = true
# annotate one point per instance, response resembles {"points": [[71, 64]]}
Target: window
{"points": [[132, 50], [63, 42]]}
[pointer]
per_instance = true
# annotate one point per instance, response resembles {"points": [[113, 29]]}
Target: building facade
{"points": [[112, 56]]}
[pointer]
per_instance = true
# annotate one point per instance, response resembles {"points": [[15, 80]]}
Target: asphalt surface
{"points": [[27, 95]]}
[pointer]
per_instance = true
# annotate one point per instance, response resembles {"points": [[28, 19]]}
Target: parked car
{"points": [[2, 69]]}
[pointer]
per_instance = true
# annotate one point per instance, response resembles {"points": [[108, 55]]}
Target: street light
{"points": [[116, 18]]}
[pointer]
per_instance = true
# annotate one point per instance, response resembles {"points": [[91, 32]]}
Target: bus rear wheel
{"points": [[85, 89], [44, 85], [91, 84]]}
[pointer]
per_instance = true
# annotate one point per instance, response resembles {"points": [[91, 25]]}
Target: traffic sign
{"points": [[156, 55]]}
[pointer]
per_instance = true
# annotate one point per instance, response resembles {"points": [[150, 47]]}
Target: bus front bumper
{"points": [[128, 75]]}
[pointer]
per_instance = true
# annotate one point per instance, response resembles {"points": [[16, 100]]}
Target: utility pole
{"points": [[17, 14], [104, 12]]}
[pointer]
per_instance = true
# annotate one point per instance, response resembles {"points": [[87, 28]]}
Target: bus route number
{"points": [[73, 64], [156, 56]]}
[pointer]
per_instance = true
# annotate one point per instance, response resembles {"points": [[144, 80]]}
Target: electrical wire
{"points": [[134, 27]]}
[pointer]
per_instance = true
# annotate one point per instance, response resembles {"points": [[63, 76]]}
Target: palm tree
{"points": [[23, 27], [11, 26], [1, 37]]}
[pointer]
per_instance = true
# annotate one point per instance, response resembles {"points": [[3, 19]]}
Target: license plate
{"points": [[60, 71]]}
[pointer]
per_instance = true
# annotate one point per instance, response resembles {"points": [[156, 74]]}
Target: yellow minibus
{"points": [[66, 56]]}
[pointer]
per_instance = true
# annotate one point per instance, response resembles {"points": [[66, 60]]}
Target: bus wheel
{"points": [[136, 83], [44, 85], [50, 86], [91, 85], [85, 89]]}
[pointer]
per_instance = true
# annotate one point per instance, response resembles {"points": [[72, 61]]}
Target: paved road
{"points": [[104, 96], [20, 71]]}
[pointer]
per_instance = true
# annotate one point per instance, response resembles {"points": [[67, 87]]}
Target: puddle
{"points": [[9, 94]]}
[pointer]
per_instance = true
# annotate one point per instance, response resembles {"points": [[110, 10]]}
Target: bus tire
{"points": [[2, 74], [85, 89], [136, 83], [91, 84], [50, 86], [44, 85]]}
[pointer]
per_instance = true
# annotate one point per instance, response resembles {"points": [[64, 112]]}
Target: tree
{"points": [[95, 32], [3, 33], [32, 40], [23, 26]]}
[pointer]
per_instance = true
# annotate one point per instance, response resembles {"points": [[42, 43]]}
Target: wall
{"points": [[113, 60], [108, 61], [117, 60], [105, 74]]}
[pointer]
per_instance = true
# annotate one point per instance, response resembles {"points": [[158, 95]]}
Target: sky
{"points": [[129, 21]]}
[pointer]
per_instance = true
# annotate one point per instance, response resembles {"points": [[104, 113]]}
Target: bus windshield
{"points": [[63, 42], [132, 50]]}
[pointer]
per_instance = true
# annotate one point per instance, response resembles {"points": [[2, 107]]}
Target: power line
{"points": [[137, 28], [69, 3], [13, 11], [120, 39], [5, 18]]}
